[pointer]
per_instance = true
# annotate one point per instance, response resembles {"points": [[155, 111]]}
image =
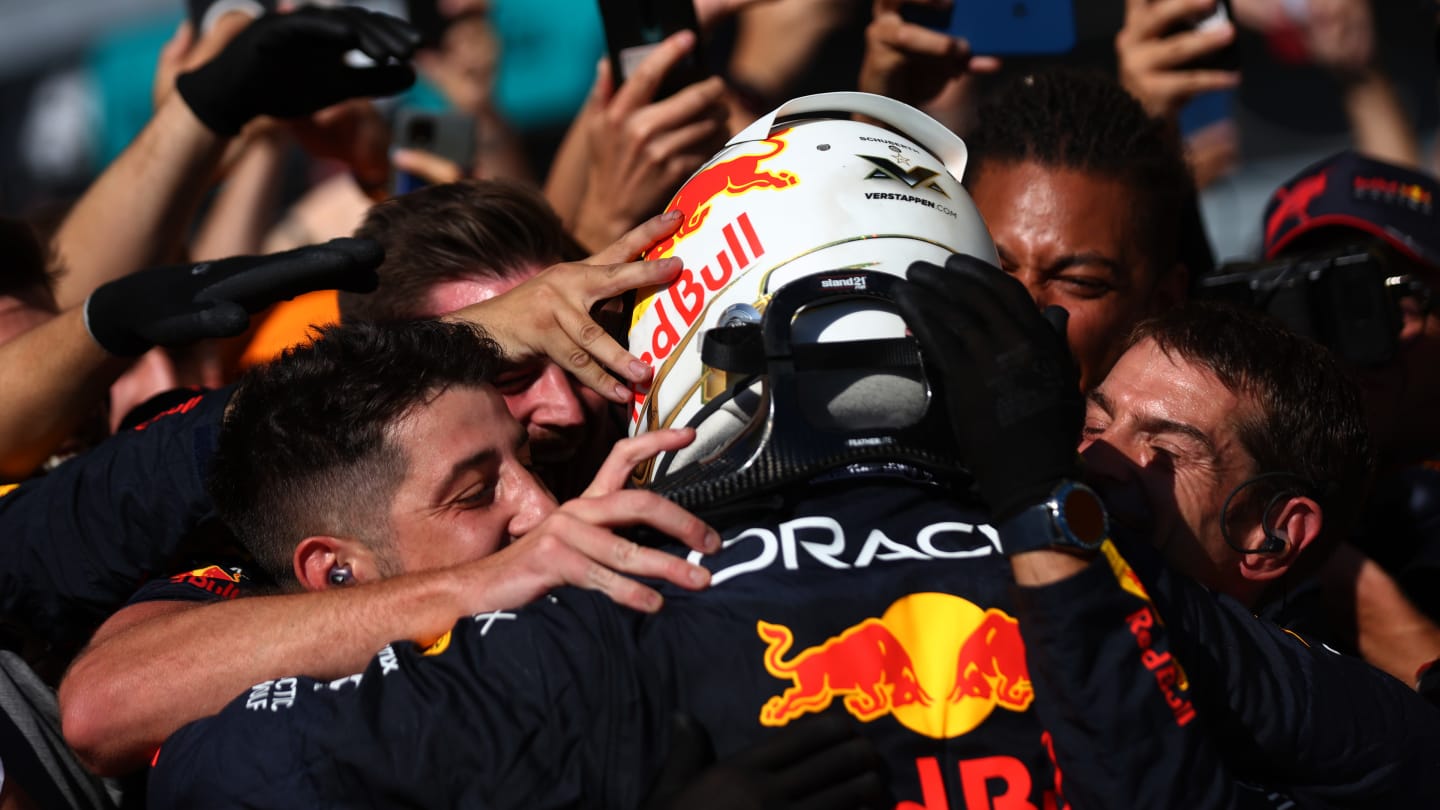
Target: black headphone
{"points": [[341, 575], [1273, 542]]}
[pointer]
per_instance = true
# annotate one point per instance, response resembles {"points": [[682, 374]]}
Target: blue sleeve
{"points": [[1118, 713], [1341, 730], [536, 708], [78, 541]]}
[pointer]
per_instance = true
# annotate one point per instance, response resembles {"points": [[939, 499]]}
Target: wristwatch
{"points": [[1073, 516]]}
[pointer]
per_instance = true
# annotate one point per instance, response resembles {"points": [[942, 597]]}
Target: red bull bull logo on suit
{"points": [[937, 663]]}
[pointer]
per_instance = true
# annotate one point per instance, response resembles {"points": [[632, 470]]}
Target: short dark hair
{"points": [[25, 266], [1085, 121], [304, 449], [469, 229], [1309, 418]]}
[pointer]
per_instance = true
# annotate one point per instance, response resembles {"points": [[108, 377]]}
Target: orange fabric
{"points": [[289, 324]]}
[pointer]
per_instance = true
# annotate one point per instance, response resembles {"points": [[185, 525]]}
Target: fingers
{"points": [[629, 453], [1190, 83], [428, 165], [641, 238], [639, 88], [599, 560], [1180, 49], [1151, 19], [918, 40], [638, 507]]}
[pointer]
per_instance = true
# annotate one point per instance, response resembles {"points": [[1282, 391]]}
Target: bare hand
{"points": [[1153, 65], [550, 314], [642, 149], [911, 63], [574, 545]]}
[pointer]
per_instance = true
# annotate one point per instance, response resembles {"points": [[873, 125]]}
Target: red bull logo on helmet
{"points": [[937, 663], [734, 177]]}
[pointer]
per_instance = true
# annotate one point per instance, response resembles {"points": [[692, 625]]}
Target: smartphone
{"points": [[634, 27], [448, 135], [1005, 27], [203, 14], [1228, 57]]}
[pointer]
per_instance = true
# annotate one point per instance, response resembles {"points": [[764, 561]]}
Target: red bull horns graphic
{"points": [[733, 177], [937, 663]]}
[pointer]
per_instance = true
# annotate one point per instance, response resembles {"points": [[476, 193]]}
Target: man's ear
{"points": [[316, 557], [1294, 525]]}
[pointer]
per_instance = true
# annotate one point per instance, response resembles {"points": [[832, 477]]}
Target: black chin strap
{"points": [[782, 446]]}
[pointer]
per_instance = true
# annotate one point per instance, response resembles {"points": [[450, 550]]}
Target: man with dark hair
{"points": [[164, 631], [1239, 423], [445, 244], [276, 471], [449, 246], [1088, 670], [1086, 198]]}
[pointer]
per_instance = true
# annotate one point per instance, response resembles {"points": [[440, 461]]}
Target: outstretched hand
{"points": [[911, 63], [576, 544], [289, 65], [172, 306], [1156, 48], [1005, 375], [551, 314], [643, 147]]}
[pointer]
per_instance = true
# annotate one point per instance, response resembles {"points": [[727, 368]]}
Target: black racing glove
{"points": [[1005, 374], [817, 763], [289, 65], [169, 306]]}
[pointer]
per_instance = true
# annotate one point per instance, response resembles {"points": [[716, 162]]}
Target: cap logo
{"points": [[1294, 204], [1393, 192]]}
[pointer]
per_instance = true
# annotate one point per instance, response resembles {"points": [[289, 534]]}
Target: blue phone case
{"points": [[1008, 27]]}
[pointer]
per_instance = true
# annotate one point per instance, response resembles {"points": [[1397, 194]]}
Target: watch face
{"points": [[1085, 515]]}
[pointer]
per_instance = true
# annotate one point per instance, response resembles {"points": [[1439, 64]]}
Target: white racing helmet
{"points": [[802, 192]]}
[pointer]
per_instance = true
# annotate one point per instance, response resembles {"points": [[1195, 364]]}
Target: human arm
{"points": [[115, 721], [283, 65], [54, 377], [1118, 718], [1390, 632], [641, 148], [58, 372], [492, 706], [1340, 36], [247, 204]]}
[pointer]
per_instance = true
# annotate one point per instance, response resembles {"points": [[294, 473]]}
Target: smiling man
{"points": [[1222, 435], [449, 246], [381, 484]]}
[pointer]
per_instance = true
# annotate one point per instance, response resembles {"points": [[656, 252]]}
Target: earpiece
{"points": [[341, 575], [1274, 542]]}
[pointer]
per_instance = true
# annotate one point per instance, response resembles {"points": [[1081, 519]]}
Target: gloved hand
{"points": [[169, 306], [1005, 374], [289, 65], [817, 763]]}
